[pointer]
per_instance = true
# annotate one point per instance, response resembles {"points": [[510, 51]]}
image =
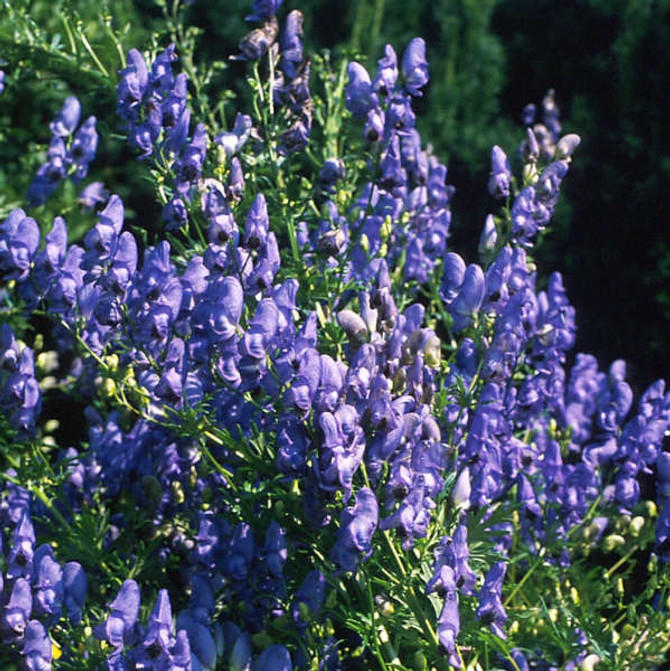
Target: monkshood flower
{"points": [[2, 81], [501, 174], [49, 590], [258, 42], [274, 658], [161, 648], [65, 158], [75, 586], [118, 628], [360, 97], [448, 623], [19, 241], [37, 647], [68, 118], [491, 610], [20, 559], [357, 526], [16, 613], [387, 72], [93, 196], [415, 66], [291, 44], [233, 141]]}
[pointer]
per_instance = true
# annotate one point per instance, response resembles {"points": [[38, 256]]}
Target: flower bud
{"points": [[636, 525], [613, 541], [109, 388], [460, 494], [589, 663]]}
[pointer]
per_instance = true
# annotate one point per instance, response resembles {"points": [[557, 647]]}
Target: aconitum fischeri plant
{"points": [[284, 424]]}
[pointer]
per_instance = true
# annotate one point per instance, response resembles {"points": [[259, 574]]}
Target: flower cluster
{"points": [[70, 152]]}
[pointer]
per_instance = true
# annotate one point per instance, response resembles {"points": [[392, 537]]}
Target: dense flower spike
{"points": [[70, 152]]}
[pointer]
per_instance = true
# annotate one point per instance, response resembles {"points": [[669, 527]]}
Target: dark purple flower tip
{"points": [[415, 66], [67, 119], [274, 658]]}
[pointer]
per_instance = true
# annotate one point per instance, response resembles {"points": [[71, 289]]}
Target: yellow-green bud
{"points": [[613, 541], [652, 509], [627, 631], [636, 525], [432, 351], [109, 387], [177, 492], [619, 588], [51, 425]]}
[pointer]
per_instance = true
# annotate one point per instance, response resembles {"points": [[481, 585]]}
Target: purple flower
{"points": [[291, 44], [75, 587], [387, 72], [67, 119], [189, 166], [19, 240], [37, 647], [234, 140], [274, 658], [359, 94], [132, 86], [121, 621], [20, 557], [448, 624], [83, 147], [48, 583], [491, 610], [18, 609], [499, 181], [93, 195], [357, 526], [415, 66]]}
